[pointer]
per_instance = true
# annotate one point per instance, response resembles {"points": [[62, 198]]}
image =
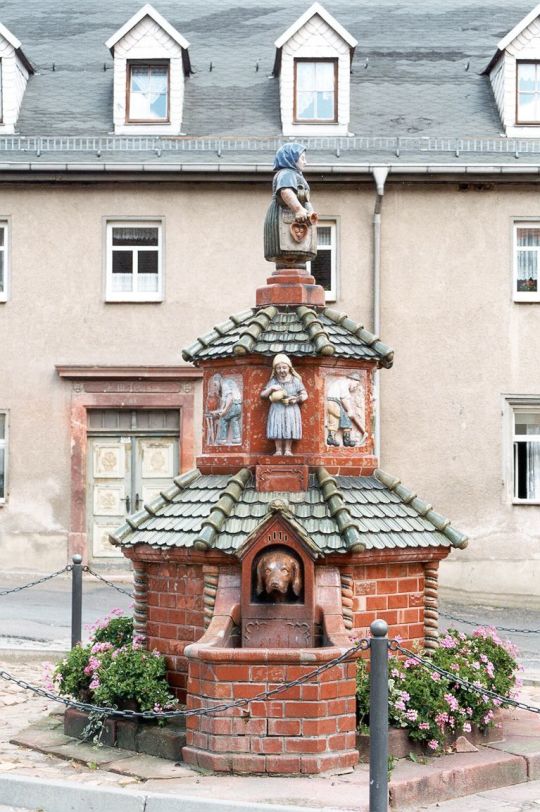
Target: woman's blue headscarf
{"points": [[288, 155]]}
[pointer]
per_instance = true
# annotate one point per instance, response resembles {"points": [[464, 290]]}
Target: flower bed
{"points": [[434, 709]]}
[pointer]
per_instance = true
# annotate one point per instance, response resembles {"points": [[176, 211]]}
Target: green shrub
{"points": [[114, 670]]}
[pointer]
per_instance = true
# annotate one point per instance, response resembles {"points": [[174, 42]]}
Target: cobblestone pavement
{"points": [[18, 709]]}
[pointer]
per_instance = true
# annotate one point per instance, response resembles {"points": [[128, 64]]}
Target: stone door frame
{"points": [[121, 388]]}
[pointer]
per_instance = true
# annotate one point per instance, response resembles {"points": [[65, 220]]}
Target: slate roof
{"points": [[417, 89], [337, 514], [298, 331]]}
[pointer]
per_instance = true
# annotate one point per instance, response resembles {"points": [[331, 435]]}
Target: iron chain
{"points": [[514, 703], [499, 628], [67, 568], [106, 581], [351, 653]]}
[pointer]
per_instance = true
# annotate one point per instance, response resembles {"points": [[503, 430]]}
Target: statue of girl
{"points": [[285, 391], [290, 234]]}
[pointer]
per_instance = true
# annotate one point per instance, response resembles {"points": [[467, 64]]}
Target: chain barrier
{"points": [[67, 568], [87, 569], [498, 628], [361, 645], [514, 703]]}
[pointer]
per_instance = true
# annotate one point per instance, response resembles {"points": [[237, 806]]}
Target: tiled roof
{"points": [[293, 330], [338, 514], [415, 76]]}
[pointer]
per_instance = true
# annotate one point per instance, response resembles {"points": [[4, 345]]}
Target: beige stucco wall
{"points": [[460, 342], [56, 314]]}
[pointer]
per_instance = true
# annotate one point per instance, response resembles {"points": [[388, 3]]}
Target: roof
{"points": [[417, 95], [299, 331], [316, 8], [147, 11], [337, 514]]}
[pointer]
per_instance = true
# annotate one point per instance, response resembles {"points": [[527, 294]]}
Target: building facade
{"points": [[128, 167]]}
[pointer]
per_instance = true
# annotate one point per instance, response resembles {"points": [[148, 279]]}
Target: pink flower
{"points": [[423, 726], [99, 647], [452, 701], [399, 705], [467, 727], [410, 662], [95, 683], [412, 715], [435, 676], [448, 642], [433, 744]]}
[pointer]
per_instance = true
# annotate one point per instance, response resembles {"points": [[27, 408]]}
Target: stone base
{"points": [[291, 286], [401, 746], [130, 734], [281, 764]]}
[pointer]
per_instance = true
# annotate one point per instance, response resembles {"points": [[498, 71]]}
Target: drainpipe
{"points": [[380, 174]]}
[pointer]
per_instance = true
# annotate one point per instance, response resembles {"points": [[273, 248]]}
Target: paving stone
{"points": [[145, 767]]}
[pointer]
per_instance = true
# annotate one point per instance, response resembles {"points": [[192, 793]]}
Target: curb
{"points": [[63, 796]]}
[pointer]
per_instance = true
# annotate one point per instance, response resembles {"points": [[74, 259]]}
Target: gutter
{"points": [[380, 173], [221, 168]]}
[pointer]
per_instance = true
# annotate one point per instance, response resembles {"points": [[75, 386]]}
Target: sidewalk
{"points": [[33, 749]]}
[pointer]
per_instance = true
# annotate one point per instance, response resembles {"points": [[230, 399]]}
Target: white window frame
{"points": [[4, 443], [136, 295], [332, 223], [4, 249], [524, 296], [513, 405]]}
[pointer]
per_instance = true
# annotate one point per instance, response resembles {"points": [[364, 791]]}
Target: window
{"points": [[134, 262], [148, 93], [323, 268], [315, 97], [528, 93], [526, 261], [526, 440], [3, 456], [3, 263]]}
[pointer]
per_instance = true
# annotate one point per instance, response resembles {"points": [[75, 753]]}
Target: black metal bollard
{"points": [[76, 600], [378, 718]]}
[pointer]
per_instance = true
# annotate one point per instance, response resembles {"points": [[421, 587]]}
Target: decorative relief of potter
{"points": [[223, 410], [290, 227], [345, 410], [278, 577], [286, 392]]}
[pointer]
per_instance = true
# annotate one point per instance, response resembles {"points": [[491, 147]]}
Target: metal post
{"points": [[76, 600], [378, 718]]}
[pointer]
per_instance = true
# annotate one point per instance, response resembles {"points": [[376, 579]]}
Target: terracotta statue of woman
{"points": [[285, 391], [290, 233]]}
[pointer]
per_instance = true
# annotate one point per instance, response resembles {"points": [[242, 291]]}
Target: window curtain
{"points": [[533, 465]]}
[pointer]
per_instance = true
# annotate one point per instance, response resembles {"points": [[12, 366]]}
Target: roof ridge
{"points": [[201, 342], [250, 334], [424, 509], [385, 352], [150, 509], [213, 524], [348, 528], [315, 330]]}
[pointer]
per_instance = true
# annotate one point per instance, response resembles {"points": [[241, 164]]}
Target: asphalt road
{"points": [[40, 617]]}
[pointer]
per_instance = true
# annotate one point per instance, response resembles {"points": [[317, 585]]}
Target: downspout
{"points": [[380, 174]]}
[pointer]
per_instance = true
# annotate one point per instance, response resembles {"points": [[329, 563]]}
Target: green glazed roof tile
{"points": [[223, 510], [294, 330]]}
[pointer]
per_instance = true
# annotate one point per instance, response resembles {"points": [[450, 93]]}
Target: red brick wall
{"points": [[175, 616], [306, 729], [390, 592]]}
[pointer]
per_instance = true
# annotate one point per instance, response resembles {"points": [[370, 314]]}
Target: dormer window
{"points": [[514, 73], [315, 90], [148, 92], [15, 70], [313, 63], [151, 62], [528, 93]]}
